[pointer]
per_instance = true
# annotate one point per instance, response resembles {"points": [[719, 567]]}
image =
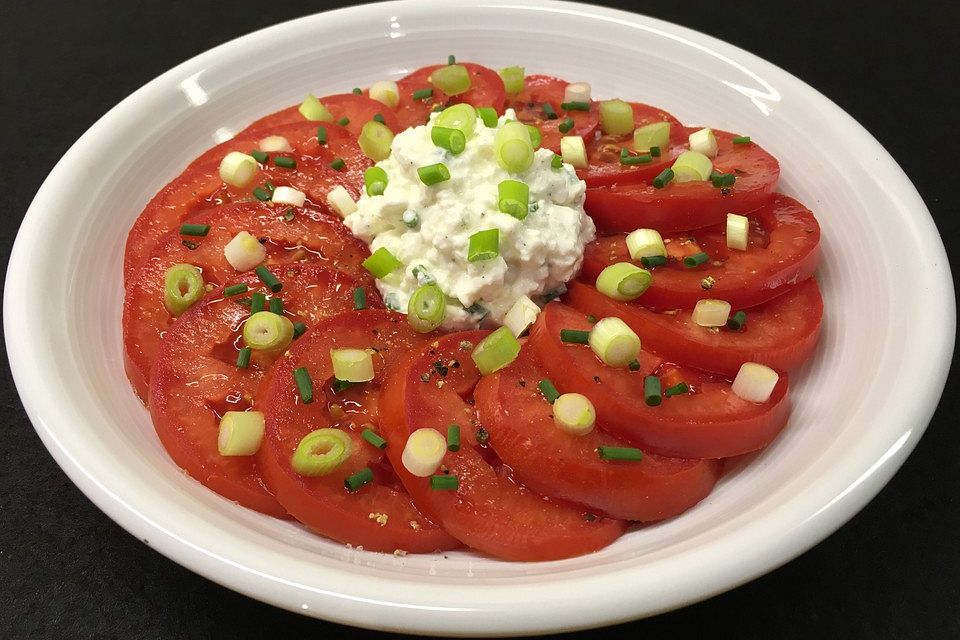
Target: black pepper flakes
{"points": [[483, 436]]}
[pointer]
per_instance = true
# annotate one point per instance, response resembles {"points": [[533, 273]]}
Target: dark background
{"points": [[67, 571]]}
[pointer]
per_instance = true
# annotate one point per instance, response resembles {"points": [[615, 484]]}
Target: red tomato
{"points": [[537, 91], [195, 379], [783, 249], [489, 511], [632, 203], [200, 187], [486, 90], [710, 422], [310, 237], [322, 502], [781, 333], [560, 465], [358, 109]]}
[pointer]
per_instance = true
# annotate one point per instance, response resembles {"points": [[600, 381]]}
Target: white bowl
{"points": [[860, 404]]}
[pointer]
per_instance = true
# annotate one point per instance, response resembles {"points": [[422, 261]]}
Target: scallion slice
{"points": [[462, 117], [238, 169], [616, 117], [352, 365], [738, 231], [513, 198], [321, 451], [375, 181], [375, 140], [267, 331], [755, 382], [512, 79], [496, 351], [644, 243], [423, 452], [427, 308], [574, 413], [692, 166], [452, 79], [433, 174], [484, 245], [241, 433], [311, 109], [623, 281], [513, 147], [655, 134], [385, 92], [488, 116], [574, 151], [535, 136], [452, 140], [614, 342], [382, 263], [711, 313], [182, 287]]}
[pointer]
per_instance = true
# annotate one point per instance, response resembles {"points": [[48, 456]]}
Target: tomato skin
{"points": [[629, 201], [322, 503], [540, 89], [712, 422], [358, 109], [784, 249], [780, 333], [489, 511], [523, 433], [486, 91]]}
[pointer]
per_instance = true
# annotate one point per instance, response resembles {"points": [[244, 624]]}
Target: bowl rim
{"points": [[449, 616]]}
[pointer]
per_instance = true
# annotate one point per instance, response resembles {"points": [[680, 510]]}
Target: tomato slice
{"points": [[540, 89], [710, 422], [557, 464], [780, 333], [486, 90], [195, 378], [200, 187], [631, 202], [380, 515], [783, 249], [358, 109], [309, 237], [489, 511]]}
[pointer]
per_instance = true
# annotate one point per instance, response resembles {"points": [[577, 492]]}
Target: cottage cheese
{"points": [[537, 255]]}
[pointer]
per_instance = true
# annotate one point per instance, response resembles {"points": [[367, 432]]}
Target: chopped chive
{"points": [[276, 306], [575, 336], [243, 358], [632, 160], [379, 118], [655, 152], [359, 298], [338, 164], [357, 480], [257, 302], [322, 135], [556, 161], [549, 391], [721, 180], [634, 365], [304, 384], [620, 453], [444, 483], [566, 125], [663, 179], [268, 186], [548, 111], [339, 386], [651, 391], [261, 194], [737, 320], [260, 156], [235, 289], [575, 106], [695, 260], [298, 329], [453, 437], [190, 245], [741, 139], [451, 59], [433, 174], [373, 438], [357, 91], [285, 162], [423, 94], [676, 390], [268, 278], [653, 261], [344, 121], [289, 215]]}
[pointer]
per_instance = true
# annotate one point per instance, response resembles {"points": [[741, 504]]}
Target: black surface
{"points": [[67, 571]]}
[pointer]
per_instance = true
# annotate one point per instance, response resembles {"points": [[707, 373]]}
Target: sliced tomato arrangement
{"points": [[539, 90], [486, 90], [379, 516], [489, 510]]}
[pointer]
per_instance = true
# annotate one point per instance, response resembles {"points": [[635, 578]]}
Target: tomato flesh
{"points": [[486, 90], [539, 90], [358, 109]]}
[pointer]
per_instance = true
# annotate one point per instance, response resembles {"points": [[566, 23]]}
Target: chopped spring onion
{"points": [[453, 438], [556, 161], [655, 134], [663, 179], [566, 125], [356, 481], [321, 451], [444, 483], [344, 121], [382, 263], [574, 336], [238, 169], [655, 152], [427, 308], [711, 313], [423, 452], [513, 147], [260, 156], [385, 91], [243, 357], [340, 200], [452, 79], [574, 413], [462, 117], [521, 316], [614, 342], [484, 245], [322, 135], [703, 141], [550, 393], [692, 166], [235, 290], [375, 181], [411, 219], [630, 160], [512, 80], [267, 278], [535, 136], [241, 433], [452, 140], [244, 252], [548, 112], [284, 163], [199, 230], [375, 140], [182, 286], [623, 281], [620, 453], [737, 321], [616, 117], [276, 306], [513, 198], [741, 140], [275, 144], [311, 109], [261, 194], [304, 384], [433, 174], [577, 92], [651, 391], [574, 151], [339, 164], [258, 302], [373, 438], [722, 180], [267, 331], [644, 243], [423, 94], [677, 390], [755, 382], [496, 351], [488, 115], [738, 231], [359, 299], [451, 59], [352, 365], [575, 105], [695, 260], [289, 195], [299, 329], [634, 365], [357, 91]]}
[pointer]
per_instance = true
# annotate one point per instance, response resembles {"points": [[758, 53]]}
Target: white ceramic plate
{"points": [[889, 321]]}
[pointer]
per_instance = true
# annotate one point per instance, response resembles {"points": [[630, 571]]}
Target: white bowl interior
{"points": [[859, 406]]}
